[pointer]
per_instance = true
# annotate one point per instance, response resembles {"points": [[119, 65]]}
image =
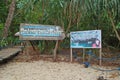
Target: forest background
{"points": [[71, 15]]}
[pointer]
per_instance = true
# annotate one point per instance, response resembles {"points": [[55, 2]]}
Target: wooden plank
{"points": [[43, 38], [6, 53]]}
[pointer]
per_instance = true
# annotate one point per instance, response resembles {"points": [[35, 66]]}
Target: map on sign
{"points": [[34, 31], [85, 39]]}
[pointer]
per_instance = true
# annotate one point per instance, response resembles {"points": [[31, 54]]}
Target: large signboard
{"points": [[40, 32], [85, 39]]}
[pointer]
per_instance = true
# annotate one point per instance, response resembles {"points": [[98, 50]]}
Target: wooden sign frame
{"points": [[40, 32], [84, 47], [30, 32]]}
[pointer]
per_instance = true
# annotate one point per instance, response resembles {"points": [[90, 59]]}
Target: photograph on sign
{"points": [[34, 31], [85, 39]]}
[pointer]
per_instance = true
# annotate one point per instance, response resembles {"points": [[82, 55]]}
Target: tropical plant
{"points": [[71, 15]]}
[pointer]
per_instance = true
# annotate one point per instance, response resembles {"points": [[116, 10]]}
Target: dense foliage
{"points": [[71, 15]]}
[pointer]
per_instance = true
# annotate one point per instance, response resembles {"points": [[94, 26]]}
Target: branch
{"points": [[113, 25], [70, 17]]}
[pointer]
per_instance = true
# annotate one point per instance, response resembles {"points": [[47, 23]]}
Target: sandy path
{"points": [[44, 70]]}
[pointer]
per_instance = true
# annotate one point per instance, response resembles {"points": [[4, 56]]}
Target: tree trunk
{"points": [[70, 17], [113, 25], [9, 18]]}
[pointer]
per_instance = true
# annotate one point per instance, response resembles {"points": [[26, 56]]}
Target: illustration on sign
{"points": [[86, 39]]}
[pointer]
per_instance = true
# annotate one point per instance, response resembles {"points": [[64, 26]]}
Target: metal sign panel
{"points": [[85, 39], [40, 32]]}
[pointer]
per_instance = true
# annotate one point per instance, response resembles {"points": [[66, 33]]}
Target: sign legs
{"points": [[83, 55], [100, 56], [71, 55], [55, 50]]}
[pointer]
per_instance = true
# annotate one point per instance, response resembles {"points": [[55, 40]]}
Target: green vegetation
{"points": [[71, 15]]}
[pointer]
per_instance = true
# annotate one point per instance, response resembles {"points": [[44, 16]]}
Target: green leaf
{"points": [[118, 26]]}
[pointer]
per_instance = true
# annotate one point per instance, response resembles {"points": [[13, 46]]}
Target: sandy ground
{"points": [[46, 70]]}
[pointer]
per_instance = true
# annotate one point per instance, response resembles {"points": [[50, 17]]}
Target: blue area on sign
{"points": [[40, 31], [40, 35], [86, 39], [39, 27]]}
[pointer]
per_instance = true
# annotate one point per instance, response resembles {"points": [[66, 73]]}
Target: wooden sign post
{"points": [[41, 32], [100, 54], [83, 55], [71, 55], [86, 39], [55, 50]]}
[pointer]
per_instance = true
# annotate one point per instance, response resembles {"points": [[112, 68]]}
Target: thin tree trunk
{"points": [[9, 18], [113, 25], [70, 17]]}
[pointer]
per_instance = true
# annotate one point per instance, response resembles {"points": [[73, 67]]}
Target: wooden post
{"points": [[83, 54], [55, 50], [89, 57], [26, 48], [100, 56], [71, 55], [32, 45]]}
